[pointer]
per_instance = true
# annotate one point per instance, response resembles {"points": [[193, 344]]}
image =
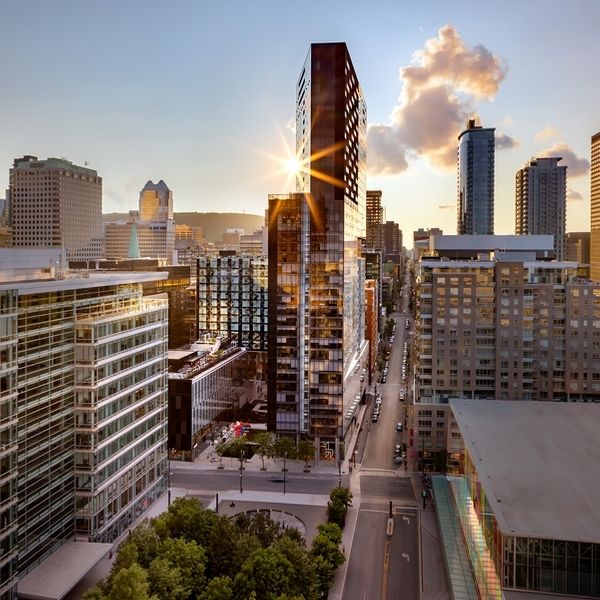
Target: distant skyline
{"points": [[199, 95]]}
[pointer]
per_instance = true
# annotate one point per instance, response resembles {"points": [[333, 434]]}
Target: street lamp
{"points": [[284, 470], [241, 470], [355, 453], [339, 472]]}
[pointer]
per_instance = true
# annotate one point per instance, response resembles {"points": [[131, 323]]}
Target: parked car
{"points": [[398, 426], [398, 449]]}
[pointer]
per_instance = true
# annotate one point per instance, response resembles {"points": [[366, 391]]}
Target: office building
{"points": [[595, 208], [208, 384], [392, 241], [374, 239], [189, 233], [316, 273], [151, 228], [476, 157], [578, 247], [256, 243], [421, 240], [521, 520], [84, 390], [372, 304], [156, 202], [56, 204], [232, 295], [541, 201]]}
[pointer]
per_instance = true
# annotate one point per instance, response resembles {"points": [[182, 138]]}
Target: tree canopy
{"points": [[193, 553]]}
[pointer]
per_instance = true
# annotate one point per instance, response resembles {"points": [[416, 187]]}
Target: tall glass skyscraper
{"points": [[476, 154], [316, 273]]}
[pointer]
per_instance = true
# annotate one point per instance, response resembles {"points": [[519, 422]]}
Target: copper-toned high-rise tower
{"points": [[316, 273]]}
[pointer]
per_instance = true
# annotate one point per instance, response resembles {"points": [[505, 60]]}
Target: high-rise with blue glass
{"points": [[476, 154]]}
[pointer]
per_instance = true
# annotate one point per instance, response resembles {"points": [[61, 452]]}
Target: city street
{"points": [[381, 565], [215, 480]]}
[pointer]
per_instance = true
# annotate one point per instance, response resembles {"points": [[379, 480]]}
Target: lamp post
{"points": [[355, 453], [284, 470], [339, 472], [241, 470]]}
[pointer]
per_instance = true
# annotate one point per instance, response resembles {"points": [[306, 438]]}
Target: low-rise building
{"points": [[527, 524]]}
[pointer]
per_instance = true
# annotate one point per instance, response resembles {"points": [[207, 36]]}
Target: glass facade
{"points": [[120, 415], [317, 293], [534, 564], [476, 156], [214, 392], [8, 440], [233, 299], [83, 394]]}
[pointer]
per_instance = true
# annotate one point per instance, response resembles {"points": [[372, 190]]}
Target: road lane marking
{"points": [[386, 562]]}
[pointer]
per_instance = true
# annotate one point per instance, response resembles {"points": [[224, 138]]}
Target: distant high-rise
{"points": [[541, 200], [153, 225], [374, 240], [392, 240], [316, 273], [156, 202], [595, 209], [55, 203], [476, 152]]}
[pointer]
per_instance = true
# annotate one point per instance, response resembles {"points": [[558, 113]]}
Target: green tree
{"points": [[332, 531], [189, 559], [260, 525], [220, 450], [187, 519], [324, 574], [219, 588], [306, 451], [337, 507], [265, 446], [267, 573], [127, 555], [284, 446], [165, 581], [303, 581], [130, 584], [147, 542], [342, 495], [94, 593], [221, 547], [324, 546]]}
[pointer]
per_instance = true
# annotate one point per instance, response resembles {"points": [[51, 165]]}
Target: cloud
{"points": [[577, 166], [387, 154], [546, 133], [504, 141], [439, 91], [446, 206], [573, 196]]}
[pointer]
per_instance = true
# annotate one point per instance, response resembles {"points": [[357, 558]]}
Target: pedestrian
{"points": [[424, 496]]}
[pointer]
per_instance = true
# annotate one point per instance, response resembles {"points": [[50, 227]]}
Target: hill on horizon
{"points": [[213, 224]]}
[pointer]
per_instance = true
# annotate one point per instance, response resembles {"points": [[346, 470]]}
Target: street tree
{"points": [[306, 451], [265, 441], [284, 446]]}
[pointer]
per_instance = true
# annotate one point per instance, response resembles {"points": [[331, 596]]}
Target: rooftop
{"points": [[535, 461]]}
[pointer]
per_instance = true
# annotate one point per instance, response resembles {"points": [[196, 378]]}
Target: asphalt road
{"points": [[383, 566], [216, 481]]}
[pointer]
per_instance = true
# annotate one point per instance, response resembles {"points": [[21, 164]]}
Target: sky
{"points": [[199, 93]]}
